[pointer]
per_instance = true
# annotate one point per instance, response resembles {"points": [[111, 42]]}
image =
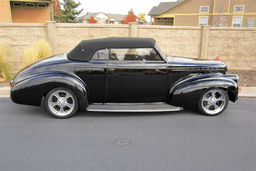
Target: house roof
{"points": [[86, 48], [164, 6], [117, 17]]}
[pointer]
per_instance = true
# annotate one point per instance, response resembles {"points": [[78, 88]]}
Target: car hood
{"points": [[187, 62]]}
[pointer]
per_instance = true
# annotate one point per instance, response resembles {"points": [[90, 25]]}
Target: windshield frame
{"points": [[160, 52]]}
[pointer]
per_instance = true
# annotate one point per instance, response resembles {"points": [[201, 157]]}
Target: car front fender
{"points": [[31, 90], [187, 92]]}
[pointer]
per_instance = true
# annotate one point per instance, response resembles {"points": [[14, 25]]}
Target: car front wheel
{"points": [[213, 102], [61, 103]]}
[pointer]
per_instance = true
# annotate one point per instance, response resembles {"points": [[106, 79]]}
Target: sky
{"points": [[119, 6]]}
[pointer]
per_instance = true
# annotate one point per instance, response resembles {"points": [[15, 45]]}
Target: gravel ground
{"points": [[5, 84], [247, 78]]}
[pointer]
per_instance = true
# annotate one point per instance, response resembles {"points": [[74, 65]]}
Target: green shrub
{"points": [[38, 50], [5, 69]]}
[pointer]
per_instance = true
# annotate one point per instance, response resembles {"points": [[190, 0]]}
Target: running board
{"points": [[132, 107]]}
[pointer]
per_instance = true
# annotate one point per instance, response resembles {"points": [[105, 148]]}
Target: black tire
{"points": [[61, 103], [213, 102]]}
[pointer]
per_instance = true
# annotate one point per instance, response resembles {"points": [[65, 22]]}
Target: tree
{"points": [[56, 12], [92, 20], [125, 21], [142, 16], [69, 12], [153, 22], [130, 18]]}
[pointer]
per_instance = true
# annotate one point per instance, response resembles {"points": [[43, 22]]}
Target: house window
{"points": [[237, 21], [250, 23], [203, 21], [239, 8], [29, 4], [17, 4], [42, 5], [158, 19], [165, 19], [204, 9]]}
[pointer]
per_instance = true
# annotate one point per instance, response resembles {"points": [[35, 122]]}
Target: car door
{"points": [[94, 75], [136, 75]]}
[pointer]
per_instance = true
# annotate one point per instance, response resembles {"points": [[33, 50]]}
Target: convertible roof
{"points": [[86, 48]]}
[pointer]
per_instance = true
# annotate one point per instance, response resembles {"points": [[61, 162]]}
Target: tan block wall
{"points": [[174, 41], [17, 37], [69, 35], [236, 47]]}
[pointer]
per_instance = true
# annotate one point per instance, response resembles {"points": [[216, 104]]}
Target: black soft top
{"points": [[86, 48]]}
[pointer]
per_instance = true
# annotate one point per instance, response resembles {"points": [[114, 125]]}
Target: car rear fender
{"points": [[187, 92], [31, 90]]}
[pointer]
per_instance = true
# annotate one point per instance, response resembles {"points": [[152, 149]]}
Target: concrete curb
{"points": [[5, 91], [243, 91], [247, 92]]}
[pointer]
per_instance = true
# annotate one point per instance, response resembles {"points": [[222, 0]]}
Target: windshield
{"points": [[160, 51]]}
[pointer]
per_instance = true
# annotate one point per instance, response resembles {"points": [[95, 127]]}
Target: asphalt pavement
{"points": [[30, 139]]}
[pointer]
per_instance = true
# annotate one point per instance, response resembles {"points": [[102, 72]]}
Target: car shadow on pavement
{"points": [[137, 114]]}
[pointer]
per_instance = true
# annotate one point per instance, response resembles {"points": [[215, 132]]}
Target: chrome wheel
{"points": [[61, 103], [214, 102]]}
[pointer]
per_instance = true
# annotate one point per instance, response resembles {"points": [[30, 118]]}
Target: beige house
{"points": [[217, 13], [103, 18]]}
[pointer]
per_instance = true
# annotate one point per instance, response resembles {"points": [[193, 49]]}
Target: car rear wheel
{"points": [[61, 103], [213, 102]]}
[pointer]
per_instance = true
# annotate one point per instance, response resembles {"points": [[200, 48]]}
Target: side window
{"points": [[239, 8], [203, 21], [139, 54], [237, 21], [250, 22], [204, 9], [100, 55]]}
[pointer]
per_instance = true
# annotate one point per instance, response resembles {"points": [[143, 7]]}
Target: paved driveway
{"points": [[32, 140]]}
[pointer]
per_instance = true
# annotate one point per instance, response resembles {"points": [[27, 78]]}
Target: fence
{"points": [[235, 46]]}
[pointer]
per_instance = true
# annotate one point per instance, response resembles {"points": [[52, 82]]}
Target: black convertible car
{"points": [[123, 71]]}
